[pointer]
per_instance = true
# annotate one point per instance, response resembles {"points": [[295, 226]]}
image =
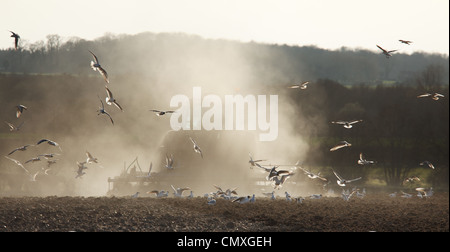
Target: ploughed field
{"points": [[375, 212]]}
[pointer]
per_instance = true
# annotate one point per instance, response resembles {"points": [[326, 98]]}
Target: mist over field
{"points": [[61, 92]]}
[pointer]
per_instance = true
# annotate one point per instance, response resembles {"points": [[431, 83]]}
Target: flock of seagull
{"points": [[276, 177]]}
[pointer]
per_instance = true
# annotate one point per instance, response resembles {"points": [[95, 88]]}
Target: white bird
{"points": [[405, 41], [341, 145], [48, 155], [135, 195], [386, 52], [12, 127], [393, 195], [227, 194], [21, 148], [16, 39], [271, 194], [361, 194], [110, 99], [299, 200], [278, 182], [425, 192], [435, 96], [274, 173], [347, 124], [427, 163], [191, 195], [252, 200], [32, 160], [406, 195], [211, 201], [273, 197], [159, 194], [315, 196], [346, 195], [95, 65], [341, 181], [80, 172], [363, 161], [90, 159], [196, 147], [411, 180], [19, 110], [178, 192], [101, 110], [161, 112], [313, 175], [288, 196], [169, 162], [302, 85], [242, 200], [50, 142], [253, 162]]}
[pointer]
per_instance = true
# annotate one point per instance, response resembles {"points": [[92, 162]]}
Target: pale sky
{"points": [[328, 24]]}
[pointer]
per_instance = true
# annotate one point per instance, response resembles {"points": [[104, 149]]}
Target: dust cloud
{"points": [[63, 108]]}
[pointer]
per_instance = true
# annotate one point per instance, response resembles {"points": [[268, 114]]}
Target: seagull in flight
{"points": [[253, 162], [95, 65], [35, 159], [196, 147], [161, 112], [411, 180], [178, 192], [90, 159], [347, 124], [386, 52], [169, 162], [12, 127], [110, 99], [405, 41], [16, 39], [49, 155], [81, 167], [341, 181], [427, 163], [313, 175], [303, 85], [274, 173], [341, 145], [435, 96], [21, 148], [278, 182], [49, 142], [101, 110], [19, 110], [227, 193], [363, 161]]}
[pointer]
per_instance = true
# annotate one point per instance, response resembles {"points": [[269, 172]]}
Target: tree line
{"points": [[146, 52]]}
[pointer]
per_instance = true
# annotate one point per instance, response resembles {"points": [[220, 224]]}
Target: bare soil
{"points": [[377, 212]]}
